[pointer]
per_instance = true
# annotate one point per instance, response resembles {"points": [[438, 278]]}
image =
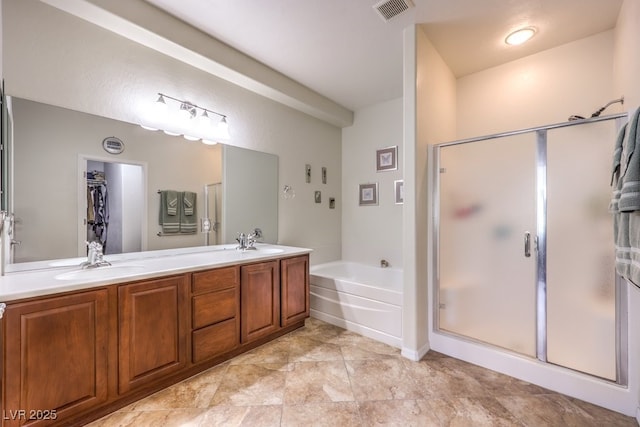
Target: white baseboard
{"points": [[415, 355]]}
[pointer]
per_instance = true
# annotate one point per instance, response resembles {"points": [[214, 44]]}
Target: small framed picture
{"points": [[368, 194], [399, 191], [318, 197], [387, 159]]}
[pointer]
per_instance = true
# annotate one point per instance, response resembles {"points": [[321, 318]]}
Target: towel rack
{"points": [[161, 234]]}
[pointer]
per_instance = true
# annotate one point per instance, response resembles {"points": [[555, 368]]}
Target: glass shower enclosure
{"points": [[524, 244]]}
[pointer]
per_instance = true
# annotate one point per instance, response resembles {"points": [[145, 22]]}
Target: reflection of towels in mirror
{"points": [[169, 221], [189, 201], [172, 202], [188, 215]]}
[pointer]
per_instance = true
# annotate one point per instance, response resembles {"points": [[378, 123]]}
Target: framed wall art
{"points": [[387, 159], [368, 194], [307, 173], [398, 190]]}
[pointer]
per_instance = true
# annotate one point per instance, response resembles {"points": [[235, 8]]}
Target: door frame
{"points": [[83, 159]]}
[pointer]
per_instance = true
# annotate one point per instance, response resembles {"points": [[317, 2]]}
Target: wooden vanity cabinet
{"points": [[68, 359], [55, 357], [153, 328], [215, 312], [294, 274], [260, 300]]}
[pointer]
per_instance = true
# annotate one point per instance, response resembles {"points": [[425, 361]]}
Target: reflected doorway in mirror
{"points": [[111, 204]]}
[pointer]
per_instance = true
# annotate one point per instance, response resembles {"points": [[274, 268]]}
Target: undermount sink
{"points": [[99, 272]]}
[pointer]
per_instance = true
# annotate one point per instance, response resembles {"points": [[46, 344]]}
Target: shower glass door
{"points": [[487, 284], [557, 302], [581, 307]]}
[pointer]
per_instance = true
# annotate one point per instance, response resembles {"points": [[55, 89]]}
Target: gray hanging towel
{"points": [[625, 203], [188, 214], [169, 220]]}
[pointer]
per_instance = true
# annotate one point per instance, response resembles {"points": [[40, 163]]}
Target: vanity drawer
{"points": [[214, 307], [215, 339], [214, 280]]}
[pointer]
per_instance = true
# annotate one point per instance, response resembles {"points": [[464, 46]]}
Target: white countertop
{"points": [[52, 277]]}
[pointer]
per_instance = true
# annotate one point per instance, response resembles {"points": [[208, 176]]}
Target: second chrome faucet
{"points": [[94, 256]]}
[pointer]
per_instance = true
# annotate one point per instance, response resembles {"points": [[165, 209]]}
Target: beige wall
{"points": [[626, 64], [59, 59], [545, 88], [372, 233], [430, 117]]}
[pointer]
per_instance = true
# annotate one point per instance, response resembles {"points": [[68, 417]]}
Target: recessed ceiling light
{"points": [[520, 36]]}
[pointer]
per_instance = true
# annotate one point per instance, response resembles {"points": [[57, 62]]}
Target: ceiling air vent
{"points": [[388, 9]]}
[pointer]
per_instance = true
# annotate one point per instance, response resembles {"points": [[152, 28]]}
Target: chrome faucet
{"points": [[242, 242], [247, 241], [94, 256], [384, 263]]}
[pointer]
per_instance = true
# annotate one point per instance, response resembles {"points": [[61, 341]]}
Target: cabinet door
{"points": [[260, 300], [153, 331], [55, 357], [295, 289]]}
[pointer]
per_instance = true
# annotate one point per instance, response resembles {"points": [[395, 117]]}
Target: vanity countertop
{"points": [[48, 278]]}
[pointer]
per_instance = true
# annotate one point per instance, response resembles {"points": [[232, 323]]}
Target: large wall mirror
{"points": [[53, 148]]}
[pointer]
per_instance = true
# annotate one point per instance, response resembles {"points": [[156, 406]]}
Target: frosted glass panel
{"points": [[580, 256], [487, 203]]}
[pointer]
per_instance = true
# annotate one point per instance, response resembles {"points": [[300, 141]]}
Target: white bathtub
{"points": [[359, 298]]}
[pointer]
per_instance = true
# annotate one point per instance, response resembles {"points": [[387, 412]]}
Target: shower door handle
{"points": [[527, 244]]}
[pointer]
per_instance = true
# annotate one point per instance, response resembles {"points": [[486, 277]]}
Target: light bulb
{"points": [[222, 130], [520, 36], [160, 102], [159, 113], [204, 122]]}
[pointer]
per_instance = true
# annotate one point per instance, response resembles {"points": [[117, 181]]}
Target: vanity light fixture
{"points": [[191, 118], [520, 36]]}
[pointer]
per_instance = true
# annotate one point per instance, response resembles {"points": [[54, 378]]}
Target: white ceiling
{"points": [[344, 50]]}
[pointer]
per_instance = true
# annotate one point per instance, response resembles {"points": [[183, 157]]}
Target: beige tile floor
{"points": [[321, 375]]}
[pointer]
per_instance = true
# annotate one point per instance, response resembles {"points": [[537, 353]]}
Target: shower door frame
{"points": [[540, 244]]}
